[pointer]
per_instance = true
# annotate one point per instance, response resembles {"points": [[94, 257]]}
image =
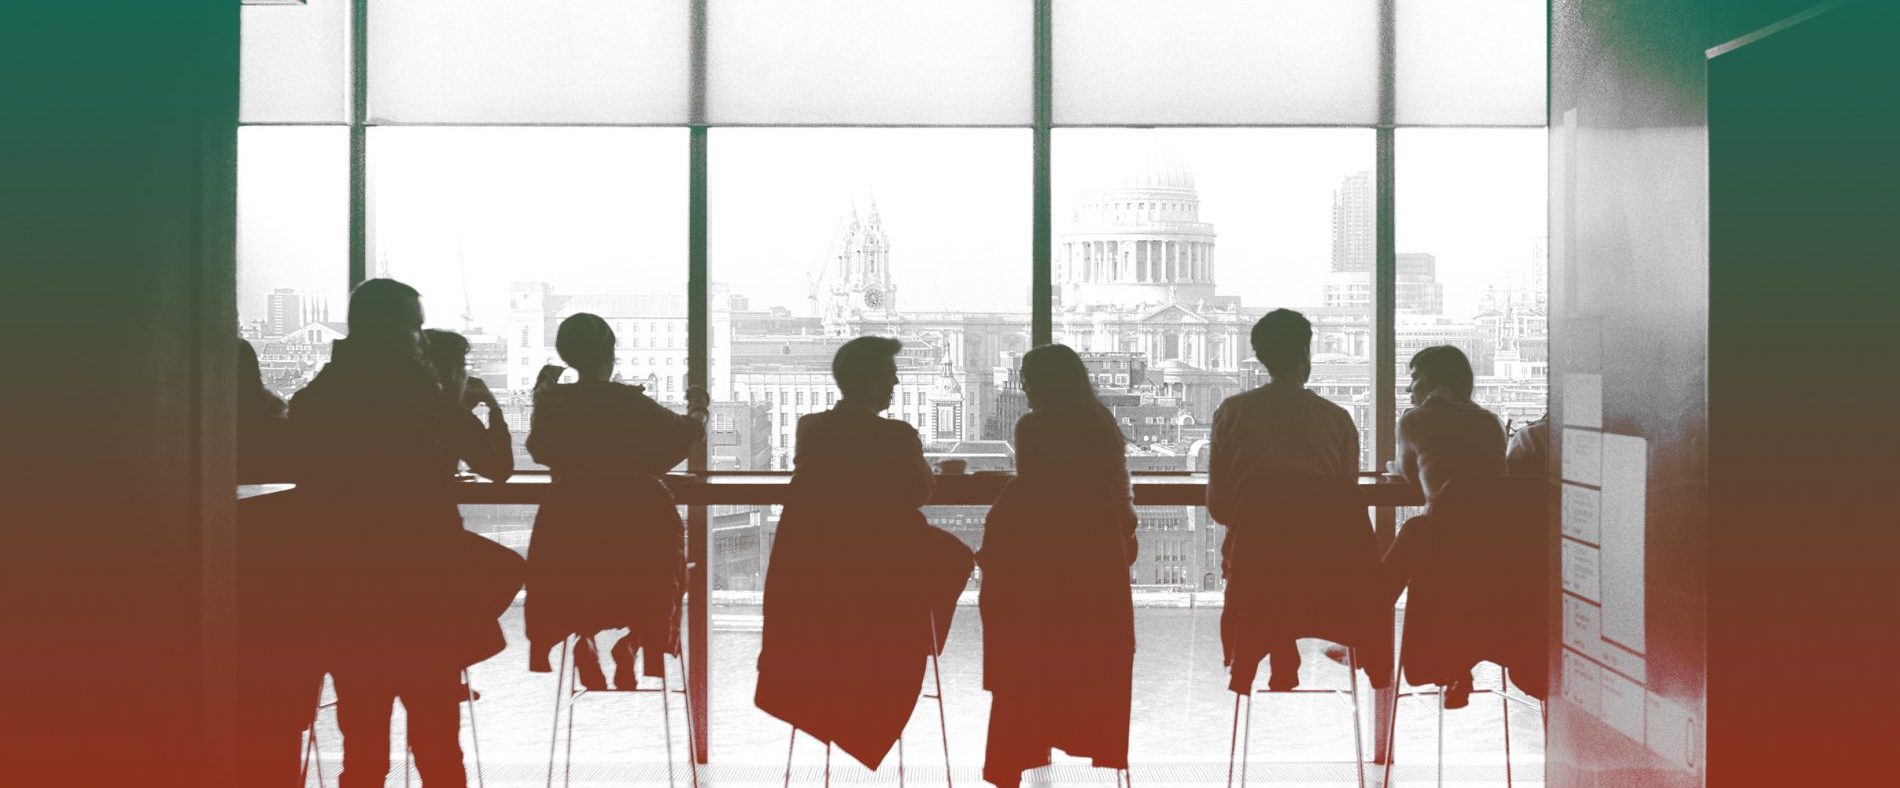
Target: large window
{"points": [[507, 231], [1170, 243], [1472, 260], [292, 248], [831, 168]]}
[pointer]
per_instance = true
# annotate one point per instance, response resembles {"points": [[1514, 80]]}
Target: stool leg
{"points": [[1441, 737], [406, 753], [554, 736], [474, 734], [900, 761], [943, 723], [1504, 707], [793, 742], [692, 741], [567, 765], [666, 715], [827, 764], [1246, 740], [310, 750], [1233, 741], [1358, 736], [1391, 733]]}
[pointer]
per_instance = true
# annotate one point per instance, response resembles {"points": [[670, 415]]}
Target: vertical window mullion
{"points": [[1041, 289], [1385, 331], [359, 152], [698, 367]]}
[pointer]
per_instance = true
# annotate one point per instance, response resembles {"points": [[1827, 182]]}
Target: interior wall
{"points": [[1804, 196], [1718, 172], [117, 174], [1629, 308]]}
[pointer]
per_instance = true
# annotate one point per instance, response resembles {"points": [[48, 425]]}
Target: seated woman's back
{"points": [[600, 428]]}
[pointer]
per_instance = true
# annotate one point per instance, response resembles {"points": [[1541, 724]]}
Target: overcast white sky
{"points": [[604, 210]]}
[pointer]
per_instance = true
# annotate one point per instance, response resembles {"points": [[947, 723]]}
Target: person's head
{"points": [[1055, 378], [866, 371], [586, 343], [447, 354], [1283, 341], [1440, 369], [386, 317]]}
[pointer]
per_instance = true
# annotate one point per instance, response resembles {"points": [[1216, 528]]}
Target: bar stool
{"points": [[567, 693], [942, 725], [1476, 580], [313, 756], [1243, 738], [1505, 698]]}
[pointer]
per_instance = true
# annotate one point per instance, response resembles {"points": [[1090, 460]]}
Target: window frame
{"points": [[698, 339]]}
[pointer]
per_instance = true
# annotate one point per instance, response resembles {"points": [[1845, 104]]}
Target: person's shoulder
{"points": [[896, 427], [1246, 400], [1314, 400]]}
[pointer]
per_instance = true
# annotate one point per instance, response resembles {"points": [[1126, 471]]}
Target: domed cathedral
{"points": [[1138, 239], [1135, 272], [854, 279]]}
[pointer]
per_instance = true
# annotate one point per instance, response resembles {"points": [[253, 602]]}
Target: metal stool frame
{"points": [[313, 755], [566, 694], [1504, 708], [1242, 740], [943, 726]]}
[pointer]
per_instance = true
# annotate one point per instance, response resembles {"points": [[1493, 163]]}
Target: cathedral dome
{"points": [[1154, 165]]}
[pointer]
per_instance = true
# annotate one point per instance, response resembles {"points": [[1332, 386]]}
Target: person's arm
{"points": [[672, 435], [488, 449], [912, 481], [1408, 449], [1221, 447]]}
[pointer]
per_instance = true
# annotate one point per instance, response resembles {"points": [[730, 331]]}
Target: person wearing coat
{"points": [[1058, 619], [404, 598], [1299, 555], [608, 549], [860, 589]]}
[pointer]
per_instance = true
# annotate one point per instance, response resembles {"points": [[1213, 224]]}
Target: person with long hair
{"points": [[1058, 618], [608, 549]]}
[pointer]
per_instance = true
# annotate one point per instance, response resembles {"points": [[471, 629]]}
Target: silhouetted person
{"points": [[1299, 554], [1445, 436], [262, 424], [856, 573], [413, 598], [486, 447], [608, 549], [277, 681], [1528, 453], [1058, 621]]}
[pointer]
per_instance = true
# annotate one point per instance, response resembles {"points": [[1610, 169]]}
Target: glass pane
{"points": [[1170, 243], [508, 231], [549, 61], [1472, 260], [1225, 62], [870, 62], [1478, 62], [294, 63], [820, 235], [293, 257]]}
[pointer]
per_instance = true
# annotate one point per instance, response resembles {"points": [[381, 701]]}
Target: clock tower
{"points": [[859, 296]]}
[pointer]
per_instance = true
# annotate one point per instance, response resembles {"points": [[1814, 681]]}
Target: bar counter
{"points": [[976, 489]]}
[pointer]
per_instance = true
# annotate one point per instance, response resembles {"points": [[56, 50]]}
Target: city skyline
{"points": [[571, 212]]}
